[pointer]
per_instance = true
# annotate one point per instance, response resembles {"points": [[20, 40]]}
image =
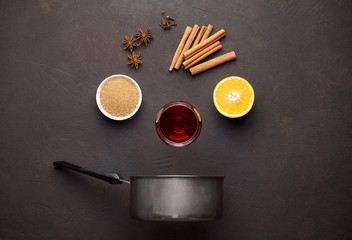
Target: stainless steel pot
{"points": [[167, 197]]}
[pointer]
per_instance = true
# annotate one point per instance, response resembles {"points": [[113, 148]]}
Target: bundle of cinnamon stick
{"points": [[203, 46]]}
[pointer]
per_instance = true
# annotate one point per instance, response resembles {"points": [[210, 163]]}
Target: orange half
{"points": [[233, 97]]}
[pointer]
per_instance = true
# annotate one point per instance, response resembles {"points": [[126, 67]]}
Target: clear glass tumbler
{"points": [[178, 124]]}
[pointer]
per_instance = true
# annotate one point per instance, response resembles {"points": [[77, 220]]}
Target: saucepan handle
{"points": [[112, 178]]}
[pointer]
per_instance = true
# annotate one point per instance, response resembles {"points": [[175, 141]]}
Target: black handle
{"points": [[112, 178]]}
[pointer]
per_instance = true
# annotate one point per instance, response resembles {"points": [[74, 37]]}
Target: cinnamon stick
{"points": [[187, 46], [201, 55], [180, 47], [206, 42], [205, 36], [207, 32], [212, 63], [199, 50], [200, 35]]}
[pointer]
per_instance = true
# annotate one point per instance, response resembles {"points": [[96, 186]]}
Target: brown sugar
{"points": [[119, 96]]}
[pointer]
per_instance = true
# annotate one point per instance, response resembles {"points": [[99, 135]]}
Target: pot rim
{"points": [[176, 176]]}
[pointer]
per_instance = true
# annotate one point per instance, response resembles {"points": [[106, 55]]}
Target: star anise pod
{"points": [[129, 43], [135, 59], [144, 36]]}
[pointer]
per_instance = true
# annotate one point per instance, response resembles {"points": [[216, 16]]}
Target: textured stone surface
{"points": [[287, 163]]}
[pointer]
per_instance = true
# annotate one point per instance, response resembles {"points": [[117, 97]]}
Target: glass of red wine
{"points": [[178, 124]]}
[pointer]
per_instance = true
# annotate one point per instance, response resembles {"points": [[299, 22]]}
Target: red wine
{"points": [[178, 123]]}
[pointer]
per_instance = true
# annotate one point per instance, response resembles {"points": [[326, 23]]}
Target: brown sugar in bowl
{"points": [[119, 97]]}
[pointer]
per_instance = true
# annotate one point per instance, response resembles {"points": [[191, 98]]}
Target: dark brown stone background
{"points": [[287, 163]]}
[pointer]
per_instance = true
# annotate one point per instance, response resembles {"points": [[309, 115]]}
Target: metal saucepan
{"points": [[167, 197]]}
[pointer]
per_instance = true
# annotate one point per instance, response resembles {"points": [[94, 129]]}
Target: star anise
{"points": [[144, 36], [129, 43], [135, 59]]}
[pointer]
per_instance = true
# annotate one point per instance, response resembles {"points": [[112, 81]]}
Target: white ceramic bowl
{"points": [[101, 107]]}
